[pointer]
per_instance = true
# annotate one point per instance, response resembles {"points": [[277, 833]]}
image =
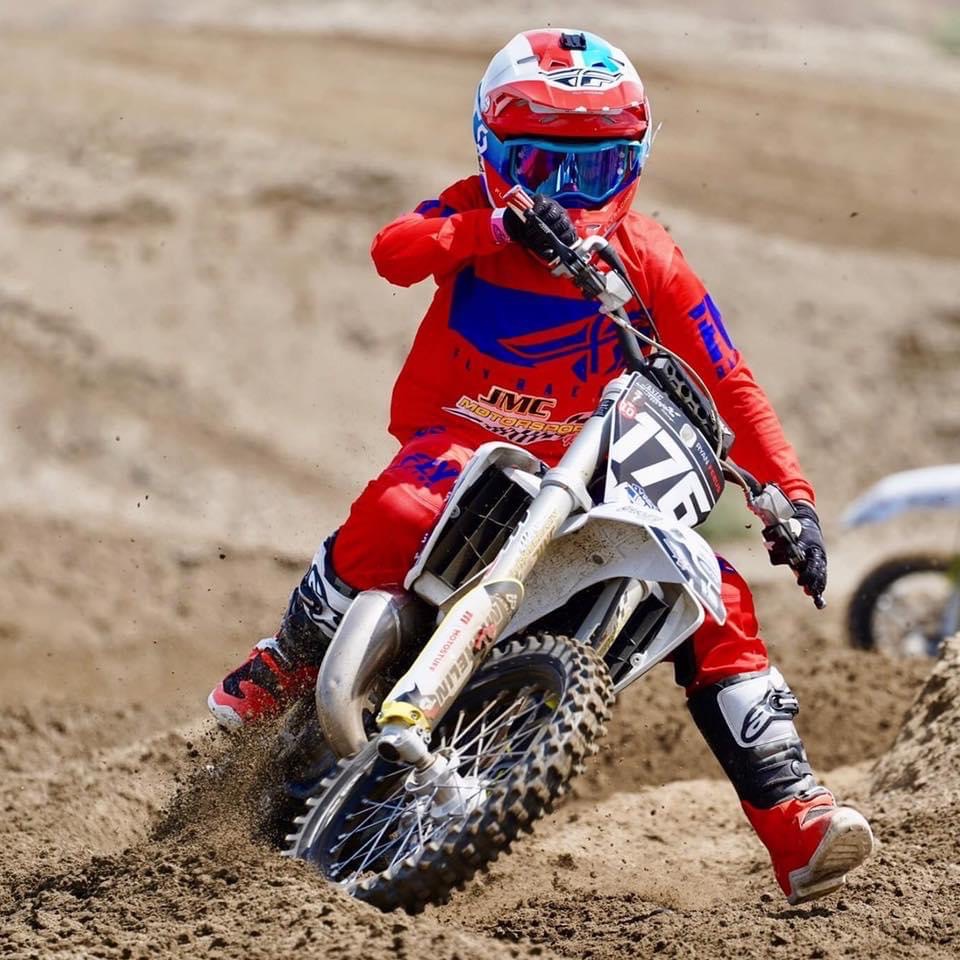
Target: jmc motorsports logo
{"points": [[520, 418]]}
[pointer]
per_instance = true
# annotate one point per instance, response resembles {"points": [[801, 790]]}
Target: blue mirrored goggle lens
{"points": [[594, 173]]}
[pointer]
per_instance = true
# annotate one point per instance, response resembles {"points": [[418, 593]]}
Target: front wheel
{"points": [[518, 733], [905, 606]]}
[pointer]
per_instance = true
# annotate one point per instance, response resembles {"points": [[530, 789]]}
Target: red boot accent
{"points": [[812, 842], [259, 688]]}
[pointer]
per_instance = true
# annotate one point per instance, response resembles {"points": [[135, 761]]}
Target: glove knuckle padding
{"points": [[555, 217], [528, 233], [812, 572]]}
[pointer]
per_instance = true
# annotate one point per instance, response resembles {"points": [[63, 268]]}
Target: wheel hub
{"points": [[447, 792]]}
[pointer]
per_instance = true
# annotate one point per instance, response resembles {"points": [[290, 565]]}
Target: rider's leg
{"points": [[745, 710], [389, 520], [375, 547], [283, 667]]}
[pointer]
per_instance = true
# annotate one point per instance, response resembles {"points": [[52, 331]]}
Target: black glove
{"points": [[809, 562], [528, 234]]}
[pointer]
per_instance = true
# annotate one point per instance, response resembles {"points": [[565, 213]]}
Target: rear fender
{"points": [[927, 488]]}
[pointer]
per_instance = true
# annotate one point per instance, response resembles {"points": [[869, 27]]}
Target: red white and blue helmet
{"points": [[563, 113]]}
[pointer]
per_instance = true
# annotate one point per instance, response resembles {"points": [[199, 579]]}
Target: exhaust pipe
{"points": [[369, 637]]}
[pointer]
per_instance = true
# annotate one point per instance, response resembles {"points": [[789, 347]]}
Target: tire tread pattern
{"points": [[530, 791], [875, 584]]}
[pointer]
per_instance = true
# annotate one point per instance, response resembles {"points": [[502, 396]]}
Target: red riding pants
{"points": [[376, 546]]}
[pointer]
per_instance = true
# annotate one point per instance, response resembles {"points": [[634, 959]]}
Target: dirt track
{"points": [[195, 357]]}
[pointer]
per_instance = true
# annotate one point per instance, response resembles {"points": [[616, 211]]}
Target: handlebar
{"points": [[614, 290]]}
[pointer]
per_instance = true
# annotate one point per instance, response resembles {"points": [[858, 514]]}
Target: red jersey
{"points": [[508, 351]]}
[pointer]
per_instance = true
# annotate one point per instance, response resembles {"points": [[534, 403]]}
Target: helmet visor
{"points": [[576, 174]]}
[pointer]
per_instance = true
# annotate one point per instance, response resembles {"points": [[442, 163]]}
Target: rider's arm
{"points": [[439, 237], [690, 325]]}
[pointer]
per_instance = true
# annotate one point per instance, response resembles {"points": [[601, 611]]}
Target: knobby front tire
{"points": [[521, 730]]}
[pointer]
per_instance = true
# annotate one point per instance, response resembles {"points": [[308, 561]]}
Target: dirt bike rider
{"points": [[507, 351]]}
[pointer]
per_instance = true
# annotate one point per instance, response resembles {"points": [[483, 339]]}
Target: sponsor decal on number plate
{"points": [[655, 448]]}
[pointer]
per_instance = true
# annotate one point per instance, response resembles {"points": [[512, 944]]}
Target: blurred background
{"points": [[196, 354]]}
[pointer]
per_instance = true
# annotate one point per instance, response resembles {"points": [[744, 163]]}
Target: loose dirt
{"points": [[195, 365]]}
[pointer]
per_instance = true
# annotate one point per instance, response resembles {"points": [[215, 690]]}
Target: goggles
{"points": [[576, 174]]}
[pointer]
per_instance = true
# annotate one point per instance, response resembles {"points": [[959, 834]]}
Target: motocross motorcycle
{"points": [[908, 604], [452, 714]]}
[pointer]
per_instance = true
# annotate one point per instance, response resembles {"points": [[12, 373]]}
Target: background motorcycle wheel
{"points": [[521, 729], [898, 607]]}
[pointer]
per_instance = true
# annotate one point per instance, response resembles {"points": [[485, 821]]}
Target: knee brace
{"points": [[747, 721]]}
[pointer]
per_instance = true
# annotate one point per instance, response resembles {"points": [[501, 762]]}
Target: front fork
{"points": [[476, 620]]}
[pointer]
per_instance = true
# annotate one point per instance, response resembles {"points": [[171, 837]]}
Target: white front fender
{"points": [[687, 551], [622, 540]]}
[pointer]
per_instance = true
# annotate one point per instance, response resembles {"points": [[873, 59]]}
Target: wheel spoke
{"points": [[477, 719], [372, 844], [371, 826], [371, 807], [384, 822], [402, 848], [456, 729], [416, 807], [501, 724], [375, 809], [367, 848], [505, 720]]}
